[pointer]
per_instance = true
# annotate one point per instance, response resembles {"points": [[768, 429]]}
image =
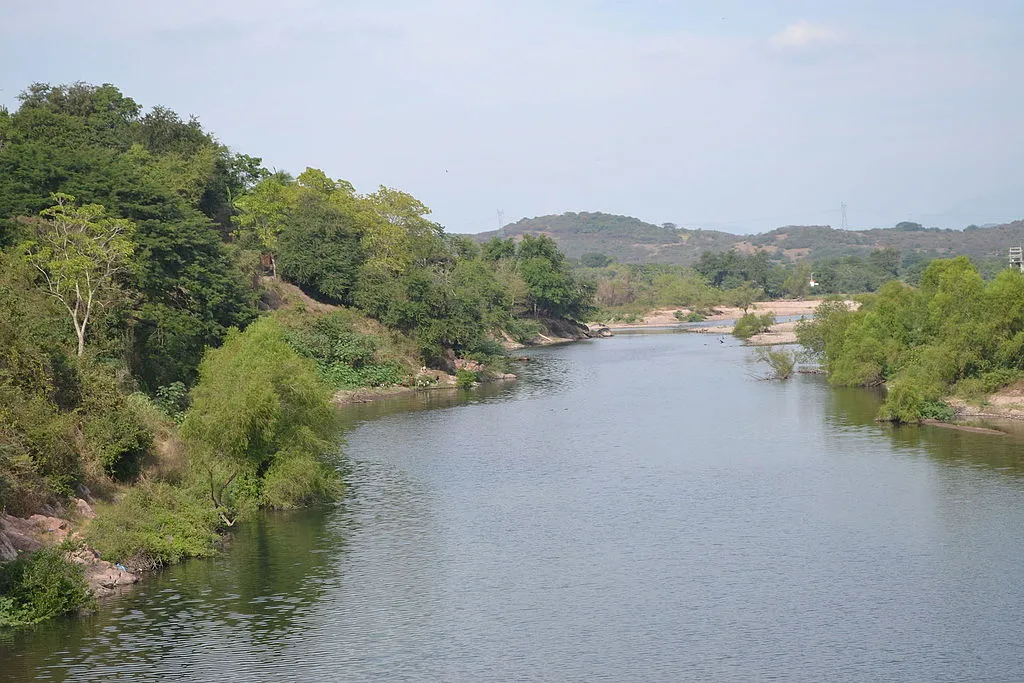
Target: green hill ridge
{"points": [[630, 240]]}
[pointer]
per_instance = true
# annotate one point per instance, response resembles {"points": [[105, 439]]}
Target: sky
{"points": [[736, 115]]}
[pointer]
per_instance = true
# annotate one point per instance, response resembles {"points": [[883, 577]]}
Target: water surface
{"points": [[636, 508]]}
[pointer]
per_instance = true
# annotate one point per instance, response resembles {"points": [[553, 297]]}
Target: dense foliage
{"points": [[39, 587], [954, 333], [751, 324], [260, 424]]}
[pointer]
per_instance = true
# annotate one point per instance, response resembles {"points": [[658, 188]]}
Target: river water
{"points": [[638, 508]]}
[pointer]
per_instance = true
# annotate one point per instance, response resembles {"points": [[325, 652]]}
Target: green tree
{"points": [[261, 424], [80, 252], [321, 250], [264, 213], [797, 284]]}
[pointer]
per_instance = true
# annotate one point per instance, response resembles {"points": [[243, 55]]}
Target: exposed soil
{"points": [[1007, 403]]}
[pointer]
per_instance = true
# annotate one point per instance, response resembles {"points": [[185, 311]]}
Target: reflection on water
{"points": [[246, 602], [858, 408], [638, 508]]}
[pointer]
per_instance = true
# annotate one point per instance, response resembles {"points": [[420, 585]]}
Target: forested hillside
{"points": [[148, 360], [630, 240]]}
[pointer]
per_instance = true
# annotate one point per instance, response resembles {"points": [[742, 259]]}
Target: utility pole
{"points": [[846, 226]]}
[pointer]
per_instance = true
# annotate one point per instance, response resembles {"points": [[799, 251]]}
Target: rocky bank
{"points": [[26, 535]]}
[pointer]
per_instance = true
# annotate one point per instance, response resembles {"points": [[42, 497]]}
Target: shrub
{"points": [[41, 586], [257, 403], [522, 329], [977, 388], [173, 399], [902, 404], [154, 524], [781, 362], [116, 438], [937, 410], [751, 324], [346, 359], [299, 480], [465, 378]]}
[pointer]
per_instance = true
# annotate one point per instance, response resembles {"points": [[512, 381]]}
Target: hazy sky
{"points": [[740, 115]]}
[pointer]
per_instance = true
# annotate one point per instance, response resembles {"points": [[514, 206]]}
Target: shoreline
{"points": [[780, 333]]}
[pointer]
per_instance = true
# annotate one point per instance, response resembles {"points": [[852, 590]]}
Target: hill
{"points": [[630, 240]]}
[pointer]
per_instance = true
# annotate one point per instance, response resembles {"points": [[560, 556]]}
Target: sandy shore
{"points": [[780, 333], [1005, 404]]}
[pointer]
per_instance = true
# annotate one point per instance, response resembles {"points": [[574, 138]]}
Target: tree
{"points": [[264, 212], [497, 249], [261, 424], [798, 283], [594, 260], [321, 249], [745, 295], [80, 251]]}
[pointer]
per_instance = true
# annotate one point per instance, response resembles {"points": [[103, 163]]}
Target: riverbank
{"points": [[667, 317], [20, 537], [780, 333], [1005, 404]]}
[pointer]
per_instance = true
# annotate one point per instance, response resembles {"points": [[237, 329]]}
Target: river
{"points": [[637, 508]]}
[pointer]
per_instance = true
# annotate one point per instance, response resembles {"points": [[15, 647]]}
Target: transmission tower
{"points": [[501, 224], [846, 225]]}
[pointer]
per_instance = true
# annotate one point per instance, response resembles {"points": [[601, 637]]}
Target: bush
{"points": [[116, 438], [41, 586], [257, 403], [522, 329], [346, 359], [751, 324], [465, 378], [153, 525], [173, 399], [299, 480], [937, 410], [902, 404], [977, 388], [780, 362], [691, 317]]}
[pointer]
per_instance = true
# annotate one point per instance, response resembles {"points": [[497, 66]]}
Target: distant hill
{"points": [[630, 240]]}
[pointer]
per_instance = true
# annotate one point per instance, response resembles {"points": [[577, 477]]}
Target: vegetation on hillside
{"points": [[136, 252], [629, 240]]}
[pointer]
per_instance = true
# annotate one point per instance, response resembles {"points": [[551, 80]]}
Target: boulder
{"points": [[103, 577], [20, 533], [83, 509], [7, 551]]}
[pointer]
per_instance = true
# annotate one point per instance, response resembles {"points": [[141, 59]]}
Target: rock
{"points": [[20, 533], [102, 576], [83, 492], [52, 530], [83, 509], [7, 551]]}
